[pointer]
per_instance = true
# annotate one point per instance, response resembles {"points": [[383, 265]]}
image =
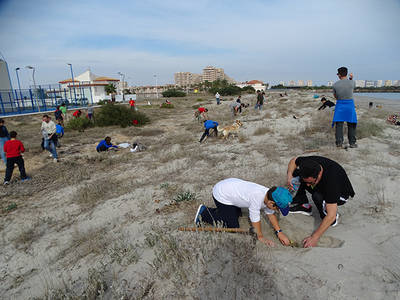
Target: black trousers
{"points": [[207, 133], [318, 199], [11, 161], [351, 133], [228, 215]]}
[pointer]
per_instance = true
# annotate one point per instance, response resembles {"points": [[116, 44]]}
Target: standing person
{"points": [[13, 149], [232, 194], [63, 109], [4, 137], [239, 100], [329, 186], [209, 124], [217, 98], [90, 112], [345, 110], [59, 115], [325, 104], [49, 130], [260, 100], [132, 104]]}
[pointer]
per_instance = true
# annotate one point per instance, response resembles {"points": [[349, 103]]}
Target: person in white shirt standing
{"points": [[232, 194], [48, 130], [217, 98]]}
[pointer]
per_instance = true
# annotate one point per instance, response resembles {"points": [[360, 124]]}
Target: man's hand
{"points": [[267, 242], [351, 76], [310, 242], [284, 239]]}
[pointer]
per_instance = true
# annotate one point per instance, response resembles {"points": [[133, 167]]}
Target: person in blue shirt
{"points": [[209, 124], [4, 137], [59, 132], [105, 144]]}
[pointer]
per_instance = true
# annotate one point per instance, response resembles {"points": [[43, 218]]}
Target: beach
{"points": [[106, 224]]}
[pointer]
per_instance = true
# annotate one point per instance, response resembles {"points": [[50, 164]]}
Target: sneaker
{"points": [[6, 183], [51, 155], [304, 209], [55, 160], [198, 214], [26, 179], [336, 220], [353, 146]]}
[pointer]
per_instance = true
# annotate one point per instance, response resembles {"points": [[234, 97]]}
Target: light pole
{"points": [[156, 85], [122, 89], [19, 85], [73, 81], [34, 84]]}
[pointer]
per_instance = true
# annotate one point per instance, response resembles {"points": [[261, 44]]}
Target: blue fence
{"points": [[43, 98]]}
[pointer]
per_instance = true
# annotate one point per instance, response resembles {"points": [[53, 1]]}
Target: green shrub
{"points": [[185, 196], [199, 99], [173, 93], [102, 102], [114, 114], [167, 105], [79, 124]]}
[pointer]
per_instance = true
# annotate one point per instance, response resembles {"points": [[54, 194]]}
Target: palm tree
{"points": [[110, 89]]}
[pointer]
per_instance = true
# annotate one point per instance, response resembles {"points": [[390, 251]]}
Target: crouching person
{"points": [[105, 145], [232, 194], [209, 124]]}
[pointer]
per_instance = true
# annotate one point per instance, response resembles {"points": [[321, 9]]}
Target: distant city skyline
{"points": [[271, 41]]}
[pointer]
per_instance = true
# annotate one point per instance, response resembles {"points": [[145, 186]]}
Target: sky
{"points": [[270, 40]]}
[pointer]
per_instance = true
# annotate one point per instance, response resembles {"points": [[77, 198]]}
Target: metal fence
{"points": [[42, 98]]}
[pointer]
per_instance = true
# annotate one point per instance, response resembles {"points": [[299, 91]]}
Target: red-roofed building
{"points": [[256, 84], [89, 83]]}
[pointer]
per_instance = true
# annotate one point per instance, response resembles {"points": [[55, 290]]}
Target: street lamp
{"points": [[34, 84], [19, 85], [73, 81], [156, 85], [123, 79]]}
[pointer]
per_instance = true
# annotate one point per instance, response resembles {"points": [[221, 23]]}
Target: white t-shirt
{"points": [[244, 194]]}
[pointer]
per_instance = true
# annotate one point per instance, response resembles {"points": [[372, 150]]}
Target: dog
{"points": [[227, 130]]}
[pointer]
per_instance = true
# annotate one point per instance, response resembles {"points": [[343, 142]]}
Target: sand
{"points": [[105, 225]]}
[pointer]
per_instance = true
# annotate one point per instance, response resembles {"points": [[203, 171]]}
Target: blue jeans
{"points": [[3, 140], [218, 101], [50, 145], [259, 106]]}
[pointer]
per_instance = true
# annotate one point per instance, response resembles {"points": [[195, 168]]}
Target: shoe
{"points": [[304, 209], [339, 145], [336, 220], [26, 179], [353, 146], [198, 214], [55, 160], [51, 155], [6, 183]]}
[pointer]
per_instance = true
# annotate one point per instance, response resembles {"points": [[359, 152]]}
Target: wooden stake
{"points": [[216, 229]]}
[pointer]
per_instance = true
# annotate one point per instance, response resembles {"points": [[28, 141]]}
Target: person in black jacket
{"points": [[329, 186], [4, 137], [325, 104]]}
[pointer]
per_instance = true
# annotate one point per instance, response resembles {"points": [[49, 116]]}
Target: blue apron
{"points": [[345, 111]]}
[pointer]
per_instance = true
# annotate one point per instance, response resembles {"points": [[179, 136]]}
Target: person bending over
{"points": [[209, 124], [232, 194], [105, 145], [325, 104], [329, 186]]}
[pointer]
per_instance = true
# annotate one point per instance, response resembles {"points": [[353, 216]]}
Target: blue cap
{"points": [[282, 198]]}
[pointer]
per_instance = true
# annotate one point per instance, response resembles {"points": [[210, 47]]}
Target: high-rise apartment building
{"points": [[379, 83], [309, 82], [388, 83], [360, 83], [186, 78], [370, 83], [396, 82], [300, 83], [291, 83], [211, 74]]}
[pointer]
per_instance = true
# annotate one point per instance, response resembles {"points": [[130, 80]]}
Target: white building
{"points": [[379, 83], [388, 83], [330, 83], [309, 82], [88, 82], [256, 84], [300, 83], [370, 83], [396, 82], [360, 83]]}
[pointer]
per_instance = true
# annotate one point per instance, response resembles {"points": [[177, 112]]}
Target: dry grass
{"points": [[263, 131]]}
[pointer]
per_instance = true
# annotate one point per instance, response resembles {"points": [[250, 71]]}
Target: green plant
{"points": [[110, 89], [196, 106], [173, 93], [114, 114], [79, 124], [102, 102], [167, 105], [11, 207], [185, 196], [199, 99]]}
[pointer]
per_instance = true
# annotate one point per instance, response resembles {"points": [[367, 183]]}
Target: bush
{"points": [[368, 129], [114, 114], [166, 105], [102, 102], [173, 93], [79, 124]]}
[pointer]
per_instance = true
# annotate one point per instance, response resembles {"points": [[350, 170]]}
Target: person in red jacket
{"points": [[77, 113], [132, 104], [13, 149]]}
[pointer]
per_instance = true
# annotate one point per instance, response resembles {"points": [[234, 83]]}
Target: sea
{"points": [[389, 96]]}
